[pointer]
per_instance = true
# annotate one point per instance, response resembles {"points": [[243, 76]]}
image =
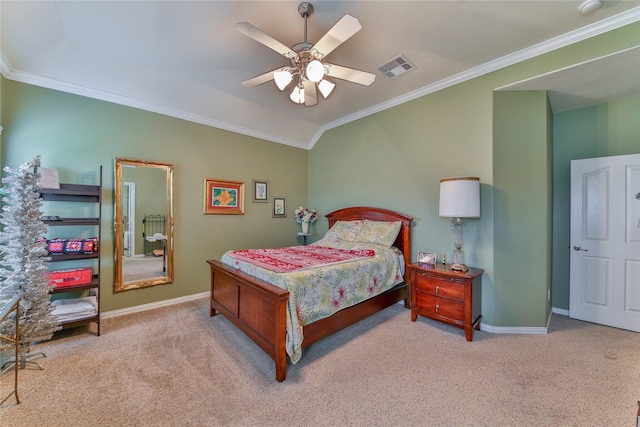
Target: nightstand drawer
{"points": [[446, 287], [451, 309]]}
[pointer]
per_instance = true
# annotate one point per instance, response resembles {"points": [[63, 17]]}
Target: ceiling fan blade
{"points": [[310, 93], [257, 34], [258, 80], [350, 74], [343, 29]]}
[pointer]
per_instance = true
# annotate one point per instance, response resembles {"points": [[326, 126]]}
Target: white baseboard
{"points": [[153, 305], [517, 329], [561, 311], [513, 329]]}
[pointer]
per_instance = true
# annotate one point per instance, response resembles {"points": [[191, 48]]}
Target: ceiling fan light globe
{"points": [[315, 71], [282, 78], [297, 95], [326, 87]]}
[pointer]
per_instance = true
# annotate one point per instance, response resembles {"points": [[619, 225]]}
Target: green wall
{"points": [[393, 159], [76, 135], [396, 158], [610, 129]]}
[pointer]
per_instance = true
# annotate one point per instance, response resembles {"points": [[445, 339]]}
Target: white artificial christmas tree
{"points": [[23, 257]]}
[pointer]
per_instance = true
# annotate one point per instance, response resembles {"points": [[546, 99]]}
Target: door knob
{"points": [[578, 248]]}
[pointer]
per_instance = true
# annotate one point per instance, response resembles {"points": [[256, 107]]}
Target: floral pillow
{"points": [[379, 232], [365, 231], [345, 230]]}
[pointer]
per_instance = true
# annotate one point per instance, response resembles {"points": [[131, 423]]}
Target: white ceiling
{"points": [[186, 60], [594, 82]]}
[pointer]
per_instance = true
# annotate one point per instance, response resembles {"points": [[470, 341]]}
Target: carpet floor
{"points": [[141, 268], [176, 366]]}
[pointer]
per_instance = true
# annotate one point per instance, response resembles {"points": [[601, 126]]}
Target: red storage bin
{"points": [[70, 277]]}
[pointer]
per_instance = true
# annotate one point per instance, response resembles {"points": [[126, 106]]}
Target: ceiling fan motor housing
{"points": [[305, 9]]}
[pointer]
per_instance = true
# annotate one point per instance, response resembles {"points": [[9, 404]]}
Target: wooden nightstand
{"points": [[447, 296]]}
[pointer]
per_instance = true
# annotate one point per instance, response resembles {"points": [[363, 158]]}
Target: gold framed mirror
{"points": [[143, 224]]}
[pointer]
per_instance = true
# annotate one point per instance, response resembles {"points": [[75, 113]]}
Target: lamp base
{"points": [[457, 263], [458, 267]]}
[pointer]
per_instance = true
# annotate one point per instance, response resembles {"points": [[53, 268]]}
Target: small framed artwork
{"points": [[260, 191], [223, 197], [427, 257], [279, 207]]}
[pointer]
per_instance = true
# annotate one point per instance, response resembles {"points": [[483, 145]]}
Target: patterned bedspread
{"points": [[284, 260], [318, 292]]}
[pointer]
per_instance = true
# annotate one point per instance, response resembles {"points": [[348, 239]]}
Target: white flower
{"points": [[305, 215]]}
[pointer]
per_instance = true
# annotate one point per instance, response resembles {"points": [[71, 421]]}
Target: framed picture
{"points": [[260, 191], [427, 257], [279, 207], [223, 197]]}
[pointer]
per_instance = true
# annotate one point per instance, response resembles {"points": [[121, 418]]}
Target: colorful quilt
{"points": [[316, 292]]}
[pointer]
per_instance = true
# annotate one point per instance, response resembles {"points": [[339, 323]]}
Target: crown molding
{"points": [[600, 27], [32, 79], [5, 67]]}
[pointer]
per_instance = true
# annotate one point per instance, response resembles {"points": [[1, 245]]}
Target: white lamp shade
{"points": [[297, 94], [315, 71], [326, 87], [282, 78], [460, 197]]}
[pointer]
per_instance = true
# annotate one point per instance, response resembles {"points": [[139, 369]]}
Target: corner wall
{"points": [[522, 207]]}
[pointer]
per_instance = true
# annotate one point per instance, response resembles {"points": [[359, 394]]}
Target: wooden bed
{"points": [[259, 309]]}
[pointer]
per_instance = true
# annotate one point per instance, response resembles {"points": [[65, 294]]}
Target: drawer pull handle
{"points": [[437, 307], [437, 289]]}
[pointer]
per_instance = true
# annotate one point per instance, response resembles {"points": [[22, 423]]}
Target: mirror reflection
{"points": [[143, 224]]}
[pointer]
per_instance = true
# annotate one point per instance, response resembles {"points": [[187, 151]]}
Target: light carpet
{"points": [[142, 268], [176, 366]]}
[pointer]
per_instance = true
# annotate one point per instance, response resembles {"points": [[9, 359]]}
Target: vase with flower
{"points": [[304, 217]]}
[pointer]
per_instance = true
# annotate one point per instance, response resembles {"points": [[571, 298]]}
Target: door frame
{"points": [[129, 241], [605, 241]]}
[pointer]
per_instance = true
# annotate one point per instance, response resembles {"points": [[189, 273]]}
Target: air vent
{"points": [[396, 66]]}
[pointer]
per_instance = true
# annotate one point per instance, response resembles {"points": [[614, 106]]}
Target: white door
{"points": [[605, 241], [129, 214]]}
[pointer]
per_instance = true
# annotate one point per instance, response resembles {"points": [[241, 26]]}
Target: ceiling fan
{"points": [[307, 68]]}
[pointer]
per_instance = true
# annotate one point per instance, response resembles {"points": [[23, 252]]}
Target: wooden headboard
{"points": [[403, 241]]}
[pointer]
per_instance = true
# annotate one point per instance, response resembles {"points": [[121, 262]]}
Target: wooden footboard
{"points": [[256, 307], [259, 309]]}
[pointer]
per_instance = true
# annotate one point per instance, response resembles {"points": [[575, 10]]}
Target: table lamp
{"points": [[459, 198]]}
